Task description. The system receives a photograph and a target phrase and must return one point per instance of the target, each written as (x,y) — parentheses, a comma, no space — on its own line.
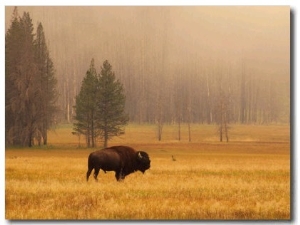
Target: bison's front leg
(119,175)
(88,173)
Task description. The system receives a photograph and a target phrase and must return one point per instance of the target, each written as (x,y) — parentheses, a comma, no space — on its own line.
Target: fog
(257,34)
(151,41)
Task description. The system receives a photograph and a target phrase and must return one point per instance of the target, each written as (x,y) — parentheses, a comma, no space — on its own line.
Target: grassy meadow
(247,178)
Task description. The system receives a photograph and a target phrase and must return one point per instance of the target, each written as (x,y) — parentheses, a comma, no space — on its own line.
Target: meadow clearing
(247,178)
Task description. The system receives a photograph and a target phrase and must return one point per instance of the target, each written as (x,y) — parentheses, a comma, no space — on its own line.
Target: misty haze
(176,57)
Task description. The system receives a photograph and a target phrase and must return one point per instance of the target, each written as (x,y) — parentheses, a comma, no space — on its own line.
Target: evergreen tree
(48,95)
(100,106)
(21,78)
(27,95)
(86,107)
(12,58)
(111,104)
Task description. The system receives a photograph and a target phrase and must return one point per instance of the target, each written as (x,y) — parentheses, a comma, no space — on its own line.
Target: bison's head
(143,161)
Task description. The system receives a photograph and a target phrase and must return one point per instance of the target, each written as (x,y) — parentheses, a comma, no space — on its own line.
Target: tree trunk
(92,134)
(221,132)
(30,140)
(105,140)
(189,120)
(45,136)
(179,128)
(189,127)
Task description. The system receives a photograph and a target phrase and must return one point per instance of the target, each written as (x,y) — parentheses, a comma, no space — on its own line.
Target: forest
(176,64)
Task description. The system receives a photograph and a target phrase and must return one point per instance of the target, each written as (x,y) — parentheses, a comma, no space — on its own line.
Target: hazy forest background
(176,64)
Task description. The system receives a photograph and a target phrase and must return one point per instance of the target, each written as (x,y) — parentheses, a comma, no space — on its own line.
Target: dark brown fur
(123,160)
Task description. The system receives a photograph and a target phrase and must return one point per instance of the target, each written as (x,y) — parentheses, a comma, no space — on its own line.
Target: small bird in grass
(173,158)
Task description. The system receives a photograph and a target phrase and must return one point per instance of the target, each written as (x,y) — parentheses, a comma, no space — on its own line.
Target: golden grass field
(245,179)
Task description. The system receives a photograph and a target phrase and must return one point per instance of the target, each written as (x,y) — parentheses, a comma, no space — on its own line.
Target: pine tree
(12,57)
(20,77)
(111,116)
(48,95)
(86,107)
(30,91)
(100,106)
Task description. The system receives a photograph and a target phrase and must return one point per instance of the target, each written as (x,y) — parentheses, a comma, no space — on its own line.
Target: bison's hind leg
(88,173)
(96,172)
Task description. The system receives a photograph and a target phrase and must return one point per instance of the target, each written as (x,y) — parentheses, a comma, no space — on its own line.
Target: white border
(292,3)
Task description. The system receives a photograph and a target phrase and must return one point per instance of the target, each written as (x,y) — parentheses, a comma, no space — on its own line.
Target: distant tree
(178,105)
(86,107)
(111,116)
(159,118)
(243,110)
(189,119)
(48,95)
(222,115)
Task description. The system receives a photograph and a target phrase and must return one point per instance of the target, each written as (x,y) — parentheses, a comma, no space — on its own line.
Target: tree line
(30,84)
(194,95)
(169,76)
(164,87)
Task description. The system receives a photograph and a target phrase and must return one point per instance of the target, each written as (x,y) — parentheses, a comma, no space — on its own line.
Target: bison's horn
(140,155)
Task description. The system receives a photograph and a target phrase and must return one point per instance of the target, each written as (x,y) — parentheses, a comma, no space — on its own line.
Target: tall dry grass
(240,180)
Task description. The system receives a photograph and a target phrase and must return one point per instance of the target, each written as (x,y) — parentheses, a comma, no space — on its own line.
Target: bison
(123,160)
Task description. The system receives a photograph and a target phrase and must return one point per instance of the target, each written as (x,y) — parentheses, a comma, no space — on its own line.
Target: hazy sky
(258,35)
